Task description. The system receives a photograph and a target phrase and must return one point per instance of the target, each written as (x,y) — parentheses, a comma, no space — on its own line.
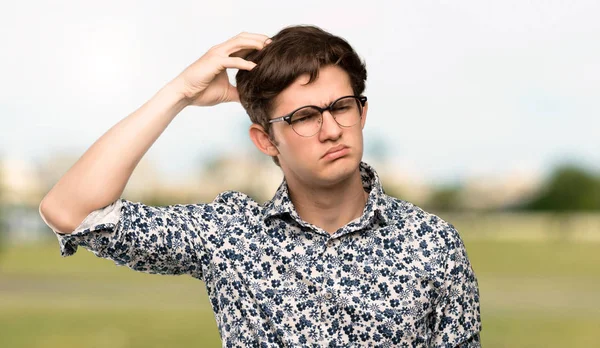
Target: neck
(332,207)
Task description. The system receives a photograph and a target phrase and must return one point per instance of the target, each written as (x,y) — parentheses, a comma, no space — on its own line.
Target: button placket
(326,292)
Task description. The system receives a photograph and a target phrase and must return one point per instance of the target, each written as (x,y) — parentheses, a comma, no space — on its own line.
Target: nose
(330,129)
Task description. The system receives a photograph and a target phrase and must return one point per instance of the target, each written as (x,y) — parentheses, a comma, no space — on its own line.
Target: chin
(339,170)
(322,173)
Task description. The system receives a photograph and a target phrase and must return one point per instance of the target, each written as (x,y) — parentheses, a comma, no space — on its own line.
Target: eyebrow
(324,105)
(321,106)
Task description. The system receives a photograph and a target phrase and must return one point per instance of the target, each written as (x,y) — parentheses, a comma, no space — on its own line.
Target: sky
(455,88)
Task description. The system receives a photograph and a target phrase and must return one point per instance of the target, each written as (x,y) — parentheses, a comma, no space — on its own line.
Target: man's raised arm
(99,177)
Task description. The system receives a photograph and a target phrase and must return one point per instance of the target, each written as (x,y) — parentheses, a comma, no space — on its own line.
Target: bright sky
(456,88)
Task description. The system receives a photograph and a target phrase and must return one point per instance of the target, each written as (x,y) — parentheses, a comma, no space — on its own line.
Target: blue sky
(456,88)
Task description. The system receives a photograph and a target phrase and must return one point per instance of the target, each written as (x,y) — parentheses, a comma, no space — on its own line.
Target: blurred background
(485,113)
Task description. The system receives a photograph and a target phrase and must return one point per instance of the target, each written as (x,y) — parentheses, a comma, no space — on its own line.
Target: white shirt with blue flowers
(395,277)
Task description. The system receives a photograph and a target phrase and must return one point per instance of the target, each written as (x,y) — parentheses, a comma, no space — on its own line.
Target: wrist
(177,89)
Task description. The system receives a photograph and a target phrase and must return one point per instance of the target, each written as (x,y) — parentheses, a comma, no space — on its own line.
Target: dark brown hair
(295,51)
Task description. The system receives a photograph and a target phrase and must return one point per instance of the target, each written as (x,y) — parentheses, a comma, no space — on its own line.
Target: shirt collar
(376,204)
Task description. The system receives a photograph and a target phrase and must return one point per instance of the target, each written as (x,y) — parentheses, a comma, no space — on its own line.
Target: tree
(570,188)
(445,198)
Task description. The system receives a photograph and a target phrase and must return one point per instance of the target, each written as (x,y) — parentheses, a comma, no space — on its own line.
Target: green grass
(526,328)
(551,258)
(107,327)
(533,294)
(537,294)
(84,301)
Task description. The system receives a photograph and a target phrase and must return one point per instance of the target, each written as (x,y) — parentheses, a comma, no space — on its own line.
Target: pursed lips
(335,149)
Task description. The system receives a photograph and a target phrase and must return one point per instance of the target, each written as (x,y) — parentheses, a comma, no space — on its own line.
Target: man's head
(303,65)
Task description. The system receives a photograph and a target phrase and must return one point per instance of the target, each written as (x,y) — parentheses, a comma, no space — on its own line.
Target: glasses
(307,121)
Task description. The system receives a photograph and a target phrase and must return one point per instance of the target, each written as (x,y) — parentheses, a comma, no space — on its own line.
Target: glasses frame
(288,118)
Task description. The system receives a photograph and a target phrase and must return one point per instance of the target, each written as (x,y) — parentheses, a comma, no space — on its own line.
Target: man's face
(306,159)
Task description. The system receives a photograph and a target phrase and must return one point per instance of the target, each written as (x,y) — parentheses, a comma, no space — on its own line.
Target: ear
(363,119)
(261,140)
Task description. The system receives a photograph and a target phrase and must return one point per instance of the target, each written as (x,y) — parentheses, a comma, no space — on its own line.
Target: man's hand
(205,81)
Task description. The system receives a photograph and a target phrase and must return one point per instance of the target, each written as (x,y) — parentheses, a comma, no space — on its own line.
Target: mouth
(336,152)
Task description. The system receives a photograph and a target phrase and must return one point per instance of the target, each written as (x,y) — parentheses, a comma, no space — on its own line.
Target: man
(330,260)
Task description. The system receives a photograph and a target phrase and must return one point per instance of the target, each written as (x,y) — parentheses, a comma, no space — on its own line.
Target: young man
(330,260)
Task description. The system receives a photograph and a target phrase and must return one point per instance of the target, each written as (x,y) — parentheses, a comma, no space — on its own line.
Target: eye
(343,105)
(305,115)
(301,119)
(341,108)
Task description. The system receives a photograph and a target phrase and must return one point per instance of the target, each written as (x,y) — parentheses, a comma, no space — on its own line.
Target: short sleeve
(163,240)
(456,321)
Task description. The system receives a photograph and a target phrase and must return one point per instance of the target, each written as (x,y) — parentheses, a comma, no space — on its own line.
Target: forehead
(333,82)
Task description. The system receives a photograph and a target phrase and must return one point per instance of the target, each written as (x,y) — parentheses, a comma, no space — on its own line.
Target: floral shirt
(395,277)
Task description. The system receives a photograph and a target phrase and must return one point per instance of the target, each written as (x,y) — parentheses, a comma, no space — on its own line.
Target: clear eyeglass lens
(347,111)
(307,121)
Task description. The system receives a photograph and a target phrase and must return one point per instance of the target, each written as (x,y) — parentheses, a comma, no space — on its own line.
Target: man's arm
(99,177)
(456,320)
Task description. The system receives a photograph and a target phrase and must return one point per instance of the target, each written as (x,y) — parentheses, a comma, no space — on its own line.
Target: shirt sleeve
(456,320)
(162,240)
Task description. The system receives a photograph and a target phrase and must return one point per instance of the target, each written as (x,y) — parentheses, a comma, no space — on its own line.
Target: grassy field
(533,294)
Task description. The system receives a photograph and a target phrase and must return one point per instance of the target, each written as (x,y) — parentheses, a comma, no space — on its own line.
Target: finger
(240,43)
(242,53)
(259,37)
(237,63)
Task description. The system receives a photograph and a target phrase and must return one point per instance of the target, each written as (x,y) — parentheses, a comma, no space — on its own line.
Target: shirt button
(328,296)
(329,243)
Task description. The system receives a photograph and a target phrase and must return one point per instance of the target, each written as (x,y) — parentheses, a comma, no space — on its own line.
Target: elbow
(56,219)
